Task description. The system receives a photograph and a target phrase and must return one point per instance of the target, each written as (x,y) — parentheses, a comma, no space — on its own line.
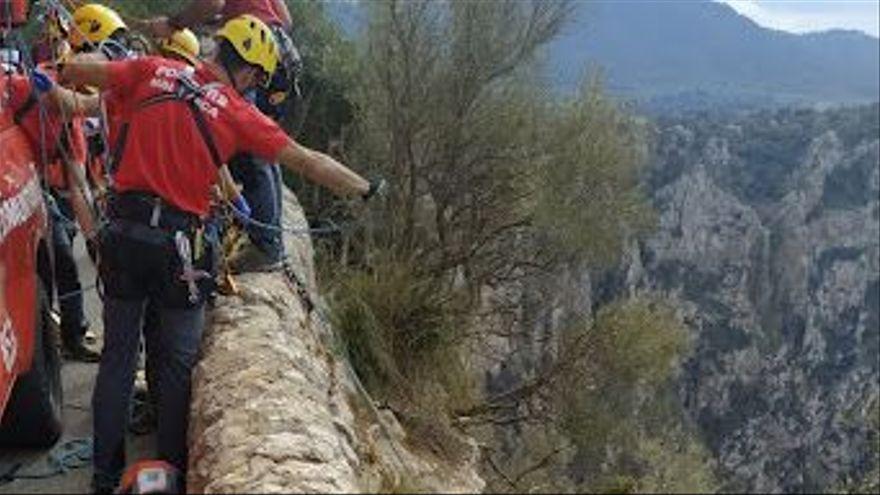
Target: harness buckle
(156,214)
(189,275)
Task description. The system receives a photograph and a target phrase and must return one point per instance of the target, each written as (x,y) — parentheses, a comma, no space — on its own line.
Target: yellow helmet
(183,43)
(253,41)
(94,23)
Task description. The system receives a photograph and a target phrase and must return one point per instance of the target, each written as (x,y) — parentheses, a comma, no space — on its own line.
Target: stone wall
(274,410)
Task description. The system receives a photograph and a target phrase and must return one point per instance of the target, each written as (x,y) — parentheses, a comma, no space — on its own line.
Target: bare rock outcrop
(274,410)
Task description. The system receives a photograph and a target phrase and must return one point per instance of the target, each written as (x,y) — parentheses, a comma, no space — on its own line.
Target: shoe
(79,352)
(248,258)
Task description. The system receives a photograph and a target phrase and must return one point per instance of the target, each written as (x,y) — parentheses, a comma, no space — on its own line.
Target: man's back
(165,151)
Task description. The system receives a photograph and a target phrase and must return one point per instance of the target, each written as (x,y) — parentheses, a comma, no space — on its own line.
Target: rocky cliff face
(769,238)
(769,244)
(276,411)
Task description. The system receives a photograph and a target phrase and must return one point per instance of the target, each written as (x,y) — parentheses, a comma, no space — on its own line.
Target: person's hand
(378,187)
(159,27)
(41,81)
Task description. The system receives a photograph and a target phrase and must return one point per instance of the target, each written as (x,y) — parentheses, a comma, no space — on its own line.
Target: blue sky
(801,16)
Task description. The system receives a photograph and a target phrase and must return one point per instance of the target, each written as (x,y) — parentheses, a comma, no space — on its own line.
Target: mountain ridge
(708,46)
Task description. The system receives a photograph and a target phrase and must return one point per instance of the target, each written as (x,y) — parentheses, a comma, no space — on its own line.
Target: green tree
(619,409)
(448,109)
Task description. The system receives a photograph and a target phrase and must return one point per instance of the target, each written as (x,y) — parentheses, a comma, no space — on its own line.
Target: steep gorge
(769,237)
(768,241)
(768,245)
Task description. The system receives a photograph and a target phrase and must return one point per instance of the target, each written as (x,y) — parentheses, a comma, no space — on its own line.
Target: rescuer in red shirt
(180,125)
(261,185)
(59,146)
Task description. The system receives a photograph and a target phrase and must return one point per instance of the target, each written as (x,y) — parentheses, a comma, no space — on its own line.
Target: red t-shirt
(267,11)
(52,127)
(165,153)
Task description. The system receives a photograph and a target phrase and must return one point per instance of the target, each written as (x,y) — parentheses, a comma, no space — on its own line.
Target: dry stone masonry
(275,411)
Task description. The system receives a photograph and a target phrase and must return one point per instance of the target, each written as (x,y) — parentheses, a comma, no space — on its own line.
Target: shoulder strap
(198,117)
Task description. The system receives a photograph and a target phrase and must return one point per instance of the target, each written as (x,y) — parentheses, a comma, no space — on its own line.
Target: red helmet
(151,477)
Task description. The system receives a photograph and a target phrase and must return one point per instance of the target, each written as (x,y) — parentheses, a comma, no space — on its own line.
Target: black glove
(378,187)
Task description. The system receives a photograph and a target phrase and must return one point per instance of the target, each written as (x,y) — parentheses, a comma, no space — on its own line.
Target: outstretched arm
(323,170)
(71,102)
(86,72)
(68,102)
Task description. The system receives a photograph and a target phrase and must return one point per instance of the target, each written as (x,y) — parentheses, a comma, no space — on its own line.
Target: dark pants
(73,320)
(261,186)
(137,270)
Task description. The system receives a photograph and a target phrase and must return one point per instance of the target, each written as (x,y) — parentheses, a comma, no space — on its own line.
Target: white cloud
(799,16)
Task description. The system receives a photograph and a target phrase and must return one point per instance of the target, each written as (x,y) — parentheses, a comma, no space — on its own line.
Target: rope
(317,306)
(247,220)
(73,454)
(68,295)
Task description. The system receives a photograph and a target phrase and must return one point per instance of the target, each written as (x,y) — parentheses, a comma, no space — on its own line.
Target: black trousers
(140,265)
(73,320)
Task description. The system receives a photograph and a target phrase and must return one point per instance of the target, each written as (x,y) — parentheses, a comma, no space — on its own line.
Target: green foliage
(403,334)
(399,329)
(449,114)
(619,409)
(868,481)
(670,468)
(142,9)
(492,182)
(490,177)
(588,194)
(326,110)
(329,69)
(638,342)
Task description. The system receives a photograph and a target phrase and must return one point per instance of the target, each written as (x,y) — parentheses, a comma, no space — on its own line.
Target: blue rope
(247,220)
(73,454)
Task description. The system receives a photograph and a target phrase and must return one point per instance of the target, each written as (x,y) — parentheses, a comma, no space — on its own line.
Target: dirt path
(78,379)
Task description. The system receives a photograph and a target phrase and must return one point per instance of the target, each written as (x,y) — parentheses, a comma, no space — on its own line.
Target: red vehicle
(30,365)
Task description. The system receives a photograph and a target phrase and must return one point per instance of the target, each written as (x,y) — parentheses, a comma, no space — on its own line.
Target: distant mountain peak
(695,53)
(653,50)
